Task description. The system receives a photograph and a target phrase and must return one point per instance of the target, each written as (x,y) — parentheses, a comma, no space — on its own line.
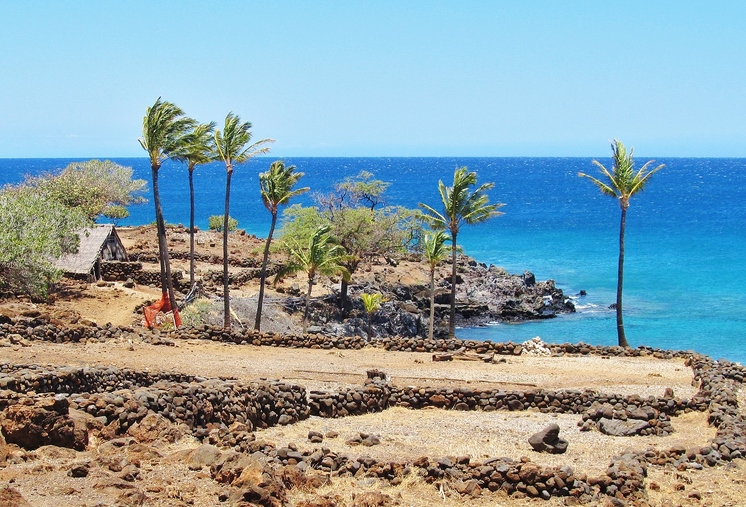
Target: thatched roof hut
(97,244)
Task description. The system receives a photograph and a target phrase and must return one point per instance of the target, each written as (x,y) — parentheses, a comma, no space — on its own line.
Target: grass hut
(97,244)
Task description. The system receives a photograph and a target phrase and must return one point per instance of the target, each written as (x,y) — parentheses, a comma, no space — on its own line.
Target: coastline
(684,234)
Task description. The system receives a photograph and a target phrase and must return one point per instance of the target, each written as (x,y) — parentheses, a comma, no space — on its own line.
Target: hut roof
(92,241)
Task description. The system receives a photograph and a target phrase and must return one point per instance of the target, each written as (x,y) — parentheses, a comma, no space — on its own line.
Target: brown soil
(405,434)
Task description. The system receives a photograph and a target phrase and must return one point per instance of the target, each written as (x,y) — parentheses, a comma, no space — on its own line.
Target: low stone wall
(200,404)
(124,397)
(117,271)
(249,262)
(69,380)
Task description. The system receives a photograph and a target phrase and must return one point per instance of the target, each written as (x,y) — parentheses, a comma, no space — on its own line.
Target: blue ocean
(685,241)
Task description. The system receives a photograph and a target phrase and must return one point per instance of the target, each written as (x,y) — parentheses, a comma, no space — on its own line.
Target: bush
(215,223)
(34,230)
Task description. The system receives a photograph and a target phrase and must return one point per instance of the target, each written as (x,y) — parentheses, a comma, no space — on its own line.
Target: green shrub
(215,223)
(196,313)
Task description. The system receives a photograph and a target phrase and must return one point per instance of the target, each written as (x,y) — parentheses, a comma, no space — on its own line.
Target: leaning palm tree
(232,146)
(321,256)
(277,190)
(434,251)
(164,128)
(622,182)
(460,206)
(198,149)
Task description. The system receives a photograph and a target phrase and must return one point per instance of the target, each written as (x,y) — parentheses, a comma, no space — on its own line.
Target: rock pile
(536,347)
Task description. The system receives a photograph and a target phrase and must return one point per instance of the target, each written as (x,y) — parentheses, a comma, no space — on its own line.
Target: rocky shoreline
(484,293)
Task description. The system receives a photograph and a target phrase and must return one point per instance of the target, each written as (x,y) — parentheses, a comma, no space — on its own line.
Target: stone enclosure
(226,412)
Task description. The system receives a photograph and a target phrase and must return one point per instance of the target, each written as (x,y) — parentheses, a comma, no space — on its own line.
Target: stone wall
(116,271)
(123,397)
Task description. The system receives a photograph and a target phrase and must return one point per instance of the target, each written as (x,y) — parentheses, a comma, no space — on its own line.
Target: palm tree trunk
(308,301)
(343,288)
(260,301)
(191,227)
(452,320)
(370,326)
(226,288)
(620,281)
(432,302)
(166,280)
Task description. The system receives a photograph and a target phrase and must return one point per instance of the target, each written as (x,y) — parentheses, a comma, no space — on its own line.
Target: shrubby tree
(93,187)
(277,188)
(622,182)
(359,220)
(216,223)
(34,231)
(461,205)
(232,146)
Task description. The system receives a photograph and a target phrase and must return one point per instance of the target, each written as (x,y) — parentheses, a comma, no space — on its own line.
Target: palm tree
(322,256)
(372,303)
(434,252)
(622,182)
(460,206)
(198,149)
(277,190)
(164,128)
(232,145)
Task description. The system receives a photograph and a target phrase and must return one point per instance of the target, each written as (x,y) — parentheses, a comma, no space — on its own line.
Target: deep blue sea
(685,244)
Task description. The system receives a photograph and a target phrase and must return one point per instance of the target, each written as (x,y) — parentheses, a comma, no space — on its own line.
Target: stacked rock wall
(124,396)
(113,271)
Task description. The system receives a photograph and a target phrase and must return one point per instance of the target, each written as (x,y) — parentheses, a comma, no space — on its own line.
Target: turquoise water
(685,240)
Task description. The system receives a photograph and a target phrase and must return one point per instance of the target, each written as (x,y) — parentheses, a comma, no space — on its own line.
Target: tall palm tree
(622,182)
(164,128)
(198,149)
(232,145)
(322,256)
(460,206)
(277,190)
(434,251)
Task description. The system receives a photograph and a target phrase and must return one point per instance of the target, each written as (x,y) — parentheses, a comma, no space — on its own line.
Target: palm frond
(622,181)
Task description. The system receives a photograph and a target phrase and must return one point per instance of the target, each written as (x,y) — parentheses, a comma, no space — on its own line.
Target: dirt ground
(408,434)
(405,434)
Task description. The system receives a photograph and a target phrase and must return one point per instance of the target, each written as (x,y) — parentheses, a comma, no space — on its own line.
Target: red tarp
(163,305)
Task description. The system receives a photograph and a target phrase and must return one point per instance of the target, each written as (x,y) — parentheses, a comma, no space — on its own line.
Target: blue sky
(380,78)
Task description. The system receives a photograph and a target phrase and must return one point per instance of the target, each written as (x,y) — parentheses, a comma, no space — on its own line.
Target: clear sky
(380,78)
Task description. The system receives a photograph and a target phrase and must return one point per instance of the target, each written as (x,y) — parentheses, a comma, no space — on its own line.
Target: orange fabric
(162,305)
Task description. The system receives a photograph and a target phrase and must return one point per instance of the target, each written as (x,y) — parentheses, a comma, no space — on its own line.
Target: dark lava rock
(547,440)
(619,428)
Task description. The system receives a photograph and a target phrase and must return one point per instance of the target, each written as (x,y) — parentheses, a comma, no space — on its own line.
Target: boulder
(619,428)
(31,425)
(547,440)
(154,427)
(204,455)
